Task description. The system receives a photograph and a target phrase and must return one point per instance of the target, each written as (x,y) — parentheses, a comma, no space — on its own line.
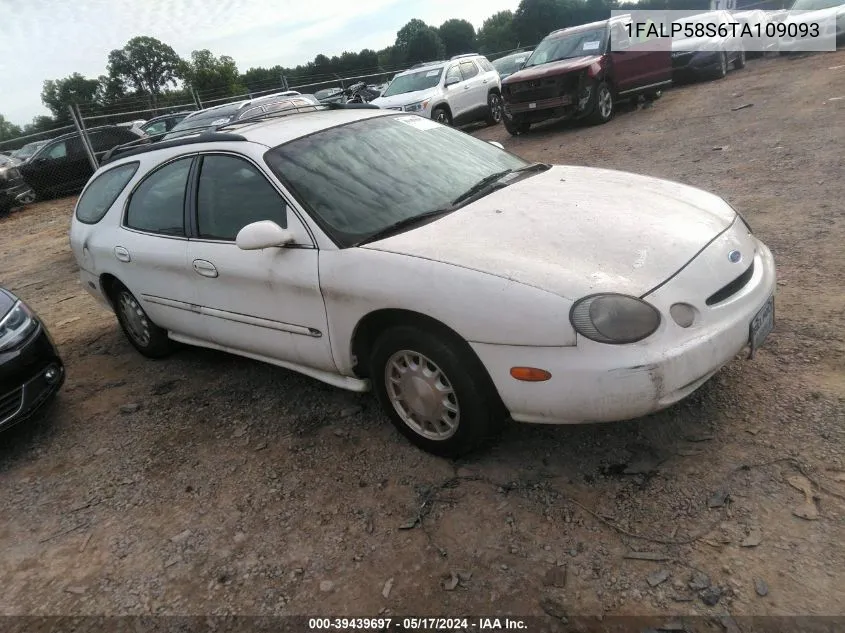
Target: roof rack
(124,151)
(421,64)
(214,134)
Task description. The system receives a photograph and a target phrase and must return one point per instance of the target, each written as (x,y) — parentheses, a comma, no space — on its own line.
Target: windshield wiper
(485,184)
(402,224)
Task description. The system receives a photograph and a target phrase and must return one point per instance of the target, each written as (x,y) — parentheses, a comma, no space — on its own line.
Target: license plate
(531,106)
(761,326)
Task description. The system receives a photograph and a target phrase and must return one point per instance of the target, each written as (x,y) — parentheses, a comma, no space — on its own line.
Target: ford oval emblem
(735,257)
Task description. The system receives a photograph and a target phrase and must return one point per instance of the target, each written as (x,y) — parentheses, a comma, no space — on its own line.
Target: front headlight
(614,318)
(419,106)
(18,324)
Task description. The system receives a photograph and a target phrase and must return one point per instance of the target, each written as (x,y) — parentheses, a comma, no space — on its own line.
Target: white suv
(464,89)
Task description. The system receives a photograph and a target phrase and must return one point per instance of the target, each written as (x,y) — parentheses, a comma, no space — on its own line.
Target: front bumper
(593,382)
(30,376)
(690,65)
(9,194)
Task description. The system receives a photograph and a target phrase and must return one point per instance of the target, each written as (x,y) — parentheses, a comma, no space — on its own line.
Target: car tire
(441,115)
(413,369)
(722,71)
(739,62)
(144,335)
(516,125)
(603,106)
(494,108)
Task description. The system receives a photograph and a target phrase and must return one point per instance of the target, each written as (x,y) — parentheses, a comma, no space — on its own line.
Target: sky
(51,39)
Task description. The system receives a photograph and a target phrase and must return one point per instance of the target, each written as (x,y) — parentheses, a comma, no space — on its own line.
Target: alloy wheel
(605,102)
(422,395)
(496,107)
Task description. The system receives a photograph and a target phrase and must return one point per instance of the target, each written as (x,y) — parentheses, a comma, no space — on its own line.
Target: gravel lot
(233,487)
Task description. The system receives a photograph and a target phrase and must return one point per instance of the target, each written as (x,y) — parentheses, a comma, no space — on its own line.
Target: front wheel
(516,125)
(144,335)
(441,115)
(494,109)
(603,107)
(722,69)
(434,389)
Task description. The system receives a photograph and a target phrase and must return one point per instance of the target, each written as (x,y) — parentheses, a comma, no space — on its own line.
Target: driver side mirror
(263,234)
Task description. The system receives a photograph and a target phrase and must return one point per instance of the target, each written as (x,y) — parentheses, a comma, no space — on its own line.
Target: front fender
(480,307)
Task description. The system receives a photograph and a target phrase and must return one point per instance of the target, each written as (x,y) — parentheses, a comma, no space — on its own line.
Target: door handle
(485,81)
(466,87)
(122,254)
(204,268)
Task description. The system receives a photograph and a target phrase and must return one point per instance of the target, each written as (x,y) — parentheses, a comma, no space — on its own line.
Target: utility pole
(76,117)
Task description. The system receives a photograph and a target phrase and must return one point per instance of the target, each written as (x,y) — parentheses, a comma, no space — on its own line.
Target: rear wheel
(494,109)
(145,336)
(441,115)
(434,389)
(516,124)
(603,106)
(739,62)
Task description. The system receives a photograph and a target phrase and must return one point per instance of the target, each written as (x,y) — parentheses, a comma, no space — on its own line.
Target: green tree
(419,42)
(534,19)
(497,34)
(58,94)
(145,64)
(458,36)
(40,123)
(111,90)
(8,130)
(212,76)
(256,79)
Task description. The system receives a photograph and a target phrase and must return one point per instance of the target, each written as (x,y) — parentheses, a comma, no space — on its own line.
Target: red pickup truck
(575,73)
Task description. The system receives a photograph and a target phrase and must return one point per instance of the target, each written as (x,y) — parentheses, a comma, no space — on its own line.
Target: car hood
(553,68)
(575,231)
(406,98)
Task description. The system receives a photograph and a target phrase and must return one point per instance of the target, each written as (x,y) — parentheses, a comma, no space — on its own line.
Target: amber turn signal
(530,374)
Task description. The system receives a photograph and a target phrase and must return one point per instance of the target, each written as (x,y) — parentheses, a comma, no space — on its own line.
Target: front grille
(10,403)
(541,89)
(681,59)
(732,288)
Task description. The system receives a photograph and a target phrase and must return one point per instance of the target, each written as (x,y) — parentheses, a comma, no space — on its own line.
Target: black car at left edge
(31,371)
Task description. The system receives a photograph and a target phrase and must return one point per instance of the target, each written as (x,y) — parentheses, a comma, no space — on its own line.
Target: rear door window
(469,70)
(101,193)
(158,204)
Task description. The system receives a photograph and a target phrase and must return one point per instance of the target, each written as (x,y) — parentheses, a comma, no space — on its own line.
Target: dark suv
(573,73)
(62,166)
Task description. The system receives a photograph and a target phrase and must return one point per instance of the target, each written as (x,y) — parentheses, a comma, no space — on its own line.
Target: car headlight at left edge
(614,318)
(419,106)
(16,326)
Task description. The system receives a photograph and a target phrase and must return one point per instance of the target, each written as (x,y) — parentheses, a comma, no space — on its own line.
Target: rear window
(101,193)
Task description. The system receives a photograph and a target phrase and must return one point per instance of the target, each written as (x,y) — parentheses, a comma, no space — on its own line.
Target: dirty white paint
(502,272)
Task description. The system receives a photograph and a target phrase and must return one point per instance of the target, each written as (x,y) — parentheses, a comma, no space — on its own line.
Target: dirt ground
(241,488)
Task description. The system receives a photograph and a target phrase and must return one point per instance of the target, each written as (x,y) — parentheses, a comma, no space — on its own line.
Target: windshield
(579,44)
(327,92)
(357,179)
(510,64)
(202,120)
(414,81)
(814,5)
(28,150)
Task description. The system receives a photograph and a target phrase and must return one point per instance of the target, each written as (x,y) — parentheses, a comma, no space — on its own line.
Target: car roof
(89,131)
(276,129)
(586,27)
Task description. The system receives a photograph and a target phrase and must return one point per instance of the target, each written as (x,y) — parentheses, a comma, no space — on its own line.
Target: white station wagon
(373,249)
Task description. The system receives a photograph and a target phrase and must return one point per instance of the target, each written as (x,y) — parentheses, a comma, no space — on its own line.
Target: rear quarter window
(101,193)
